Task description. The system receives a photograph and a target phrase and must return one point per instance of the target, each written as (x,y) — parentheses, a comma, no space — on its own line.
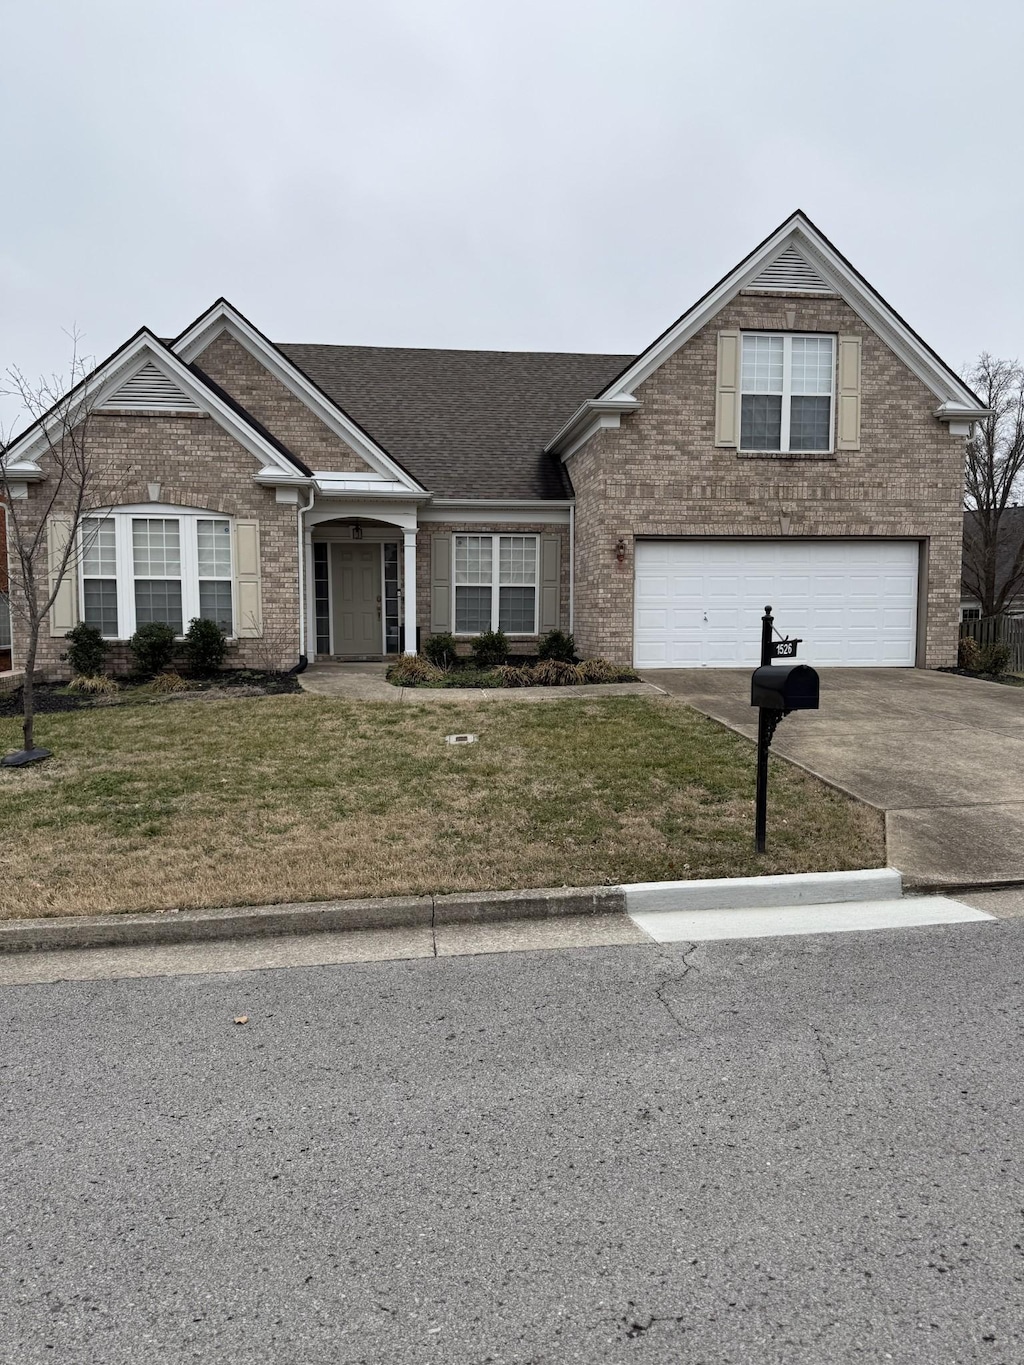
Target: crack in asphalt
(826,1065)
(688,967)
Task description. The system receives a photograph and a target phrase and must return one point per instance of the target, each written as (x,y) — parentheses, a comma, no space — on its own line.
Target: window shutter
(249,622)
(727,409)
(64,610)
(550,582)
(848,405)
(440,583)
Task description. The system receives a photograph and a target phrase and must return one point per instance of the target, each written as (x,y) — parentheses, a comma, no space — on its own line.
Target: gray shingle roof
(467,424)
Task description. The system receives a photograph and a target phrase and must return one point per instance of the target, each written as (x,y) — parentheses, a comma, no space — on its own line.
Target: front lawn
(302,798)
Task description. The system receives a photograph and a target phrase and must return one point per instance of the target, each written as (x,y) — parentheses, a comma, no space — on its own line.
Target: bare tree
(60,408)
(994,547)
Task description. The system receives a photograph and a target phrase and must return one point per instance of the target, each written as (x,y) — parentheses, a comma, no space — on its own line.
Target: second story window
(786,389)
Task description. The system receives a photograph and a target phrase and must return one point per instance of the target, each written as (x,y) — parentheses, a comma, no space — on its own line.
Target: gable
(790,272)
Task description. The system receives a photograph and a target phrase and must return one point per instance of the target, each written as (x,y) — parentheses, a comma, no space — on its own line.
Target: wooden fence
(999,630)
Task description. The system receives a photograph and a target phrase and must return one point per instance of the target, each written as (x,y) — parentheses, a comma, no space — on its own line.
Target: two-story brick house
(788,440)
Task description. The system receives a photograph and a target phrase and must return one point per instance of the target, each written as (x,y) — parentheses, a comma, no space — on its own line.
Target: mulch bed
(1008,679)
(53,698)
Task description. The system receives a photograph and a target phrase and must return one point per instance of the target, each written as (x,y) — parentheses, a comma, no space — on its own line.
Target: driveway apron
(941,755)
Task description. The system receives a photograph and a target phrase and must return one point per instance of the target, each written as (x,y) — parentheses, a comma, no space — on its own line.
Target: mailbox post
(775,691)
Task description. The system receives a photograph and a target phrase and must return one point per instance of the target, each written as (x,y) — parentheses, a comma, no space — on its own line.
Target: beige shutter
(249,625)
(440,583)
(727,396)
(848,401)
(550,582)
(64,611)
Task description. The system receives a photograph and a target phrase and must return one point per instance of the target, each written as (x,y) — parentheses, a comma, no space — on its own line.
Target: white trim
(589,417)
(955,396)
(107,378)
(525,503)
(496,583)
(394,514)
(786,394)
(223,318)
(408,589)
(572,567)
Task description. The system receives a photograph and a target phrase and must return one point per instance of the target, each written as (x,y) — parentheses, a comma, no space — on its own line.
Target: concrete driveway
(941,755)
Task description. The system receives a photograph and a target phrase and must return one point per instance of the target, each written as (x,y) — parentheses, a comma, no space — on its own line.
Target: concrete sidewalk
(941,755)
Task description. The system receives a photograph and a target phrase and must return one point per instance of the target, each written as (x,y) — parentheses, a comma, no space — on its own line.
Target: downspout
(572,565)
(303,658)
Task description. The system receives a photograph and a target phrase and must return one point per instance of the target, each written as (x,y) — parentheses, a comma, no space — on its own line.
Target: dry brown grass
(303,798)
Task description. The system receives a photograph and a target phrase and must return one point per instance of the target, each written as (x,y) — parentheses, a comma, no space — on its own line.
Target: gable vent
(791,271)
(150,390)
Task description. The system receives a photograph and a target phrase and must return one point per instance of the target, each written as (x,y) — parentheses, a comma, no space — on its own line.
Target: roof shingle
(469,424)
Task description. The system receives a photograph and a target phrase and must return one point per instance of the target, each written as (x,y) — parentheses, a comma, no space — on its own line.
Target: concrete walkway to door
(941,755)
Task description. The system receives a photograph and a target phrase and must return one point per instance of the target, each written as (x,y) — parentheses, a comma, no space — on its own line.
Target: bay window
(137,569)
(495,584)
(786,390)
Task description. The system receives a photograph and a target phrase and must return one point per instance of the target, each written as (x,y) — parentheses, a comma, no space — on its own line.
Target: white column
(309,587)
(410,592)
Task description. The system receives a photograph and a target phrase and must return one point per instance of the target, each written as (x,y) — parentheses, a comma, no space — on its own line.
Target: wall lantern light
(357,532)
(620,550)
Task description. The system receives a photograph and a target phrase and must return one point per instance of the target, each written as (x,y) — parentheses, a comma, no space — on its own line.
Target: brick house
(788,440)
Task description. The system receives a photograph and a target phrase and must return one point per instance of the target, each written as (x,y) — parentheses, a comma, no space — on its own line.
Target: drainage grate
(460,739)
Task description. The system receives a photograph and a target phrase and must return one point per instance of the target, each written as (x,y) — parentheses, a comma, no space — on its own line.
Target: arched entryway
(359,588)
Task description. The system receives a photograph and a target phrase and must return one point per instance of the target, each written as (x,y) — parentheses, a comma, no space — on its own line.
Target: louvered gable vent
(150,390)
(791,272)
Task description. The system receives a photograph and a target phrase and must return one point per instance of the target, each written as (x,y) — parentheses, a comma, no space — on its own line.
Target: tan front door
(357,604)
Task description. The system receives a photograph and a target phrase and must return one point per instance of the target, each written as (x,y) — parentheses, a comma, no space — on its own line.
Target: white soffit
(149,389)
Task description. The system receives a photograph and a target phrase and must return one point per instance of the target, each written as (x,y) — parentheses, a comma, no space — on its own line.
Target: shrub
(490,649)
(413,671)
(510,675)
(169,681)
(206,647)
(86,652)
(153,647)
(554,673)
(968,653)
(440,649)
(472,677)
(97,683)
(994,659)
(557,645)
(601,671)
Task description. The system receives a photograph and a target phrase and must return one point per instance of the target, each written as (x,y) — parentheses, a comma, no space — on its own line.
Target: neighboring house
(789,440)
(1011,533)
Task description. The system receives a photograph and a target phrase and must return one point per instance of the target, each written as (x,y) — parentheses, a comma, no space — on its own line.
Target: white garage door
(699,603)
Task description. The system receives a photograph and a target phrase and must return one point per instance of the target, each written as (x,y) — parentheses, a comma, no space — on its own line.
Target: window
(506,600)
(99,575)
(970,613)
(168,568)
(786,387)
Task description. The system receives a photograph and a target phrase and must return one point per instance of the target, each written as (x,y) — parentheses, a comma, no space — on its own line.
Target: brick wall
(5,654)
(661,474)
(523,643)
(232,367)
(197,464)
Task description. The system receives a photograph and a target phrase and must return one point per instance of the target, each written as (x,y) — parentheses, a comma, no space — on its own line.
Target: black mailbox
(784,687)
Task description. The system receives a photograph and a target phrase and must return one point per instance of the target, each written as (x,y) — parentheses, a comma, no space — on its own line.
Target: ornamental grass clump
(414,671)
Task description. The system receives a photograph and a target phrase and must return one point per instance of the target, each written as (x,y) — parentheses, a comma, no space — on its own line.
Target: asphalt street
(783,1150)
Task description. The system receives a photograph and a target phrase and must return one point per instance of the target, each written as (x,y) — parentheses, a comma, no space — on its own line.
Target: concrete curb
(317,917)
(765,893)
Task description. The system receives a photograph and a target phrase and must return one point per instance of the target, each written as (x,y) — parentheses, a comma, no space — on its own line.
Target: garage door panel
(852,602)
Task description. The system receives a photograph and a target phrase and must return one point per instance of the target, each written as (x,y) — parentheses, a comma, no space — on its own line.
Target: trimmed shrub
(153,648)
(169,682)
(86,651)
(440,649)
(994,659)
(413,671)
(968,653)
(206,647)
(490,649)
(96,683)
(557,645)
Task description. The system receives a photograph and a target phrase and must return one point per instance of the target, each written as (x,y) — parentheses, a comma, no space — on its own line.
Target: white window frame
(496,584)
(787,339)
(187,517)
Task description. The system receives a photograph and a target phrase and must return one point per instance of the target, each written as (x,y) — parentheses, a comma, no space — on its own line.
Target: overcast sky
(562,175)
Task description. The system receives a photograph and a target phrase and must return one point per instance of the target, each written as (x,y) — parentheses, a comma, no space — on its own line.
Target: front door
(357,600)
